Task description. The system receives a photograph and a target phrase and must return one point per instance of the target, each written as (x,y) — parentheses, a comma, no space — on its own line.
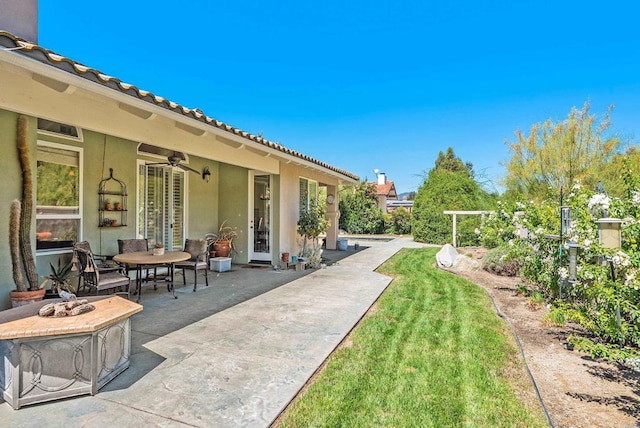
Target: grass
(431,353)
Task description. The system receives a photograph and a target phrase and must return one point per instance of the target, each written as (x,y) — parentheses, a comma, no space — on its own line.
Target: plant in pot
(158,249)
(223,240)
(20,215)
(311,225)
(59,277)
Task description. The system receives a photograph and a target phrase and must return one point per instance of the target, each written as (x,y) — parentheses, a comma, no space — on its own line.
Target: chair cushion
(132,245)
(196,247)
(113,279)
(192,265)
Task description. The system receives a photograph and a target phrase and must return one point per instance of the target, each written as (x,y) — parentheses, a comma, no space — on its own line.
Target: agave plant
(60,276)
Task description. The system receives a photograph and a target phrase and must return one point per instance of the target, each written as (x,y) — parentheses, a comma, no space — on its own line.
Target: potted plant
(59,277)
(223,240)
(311,225)
(158,249)
(20,215)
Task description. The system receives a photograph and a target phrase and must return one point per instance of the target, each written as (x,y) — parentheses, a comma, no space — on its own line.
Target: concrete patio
(231,354)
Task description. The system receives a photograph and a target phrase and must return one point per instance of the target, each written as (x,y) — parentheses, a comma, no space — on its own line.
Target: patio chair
(199,250)
(100,261)
(96,279)
(134,245)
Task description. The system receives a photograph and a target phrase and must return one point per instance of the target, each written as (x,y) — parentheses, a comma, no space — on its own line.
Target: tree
(555,155)
(359,212)
(450,185)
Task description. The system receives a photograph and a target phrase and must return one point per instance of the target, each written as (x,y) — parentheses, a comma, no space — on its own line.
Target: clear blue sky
(369,84)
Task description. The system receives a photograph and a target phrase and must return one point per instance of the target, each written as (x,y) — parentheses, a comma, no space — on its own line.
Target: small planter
(158,251)
(285,257)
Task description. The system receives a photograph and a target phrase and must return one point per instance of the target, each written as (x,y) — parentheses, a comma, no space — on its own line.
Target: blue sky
(369,84)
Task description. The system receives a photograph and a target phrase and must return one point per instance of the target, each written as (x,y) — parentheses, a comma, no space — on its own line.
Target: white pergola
(455,218)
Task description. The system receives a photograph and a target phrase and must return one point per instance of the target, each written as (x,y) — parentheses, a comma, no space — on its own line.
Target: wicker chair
(94,278)
(99,261)
(199,250)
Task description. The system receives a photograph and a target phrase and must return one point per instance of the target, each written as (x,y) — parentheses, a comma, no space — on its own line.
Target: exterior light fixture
(206,174)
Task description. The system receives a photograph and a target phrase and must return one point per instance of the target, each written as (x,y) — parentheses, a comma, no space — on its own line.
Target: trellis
(455,218)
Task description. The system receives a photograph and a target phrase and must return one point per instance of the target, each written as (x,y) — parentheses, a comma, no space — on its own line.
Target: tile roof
(38,53)
(384,189)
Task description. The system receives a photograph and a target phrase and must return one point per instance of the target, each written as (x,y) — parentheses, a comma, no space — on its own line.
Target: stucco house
(385,191)
(185,172)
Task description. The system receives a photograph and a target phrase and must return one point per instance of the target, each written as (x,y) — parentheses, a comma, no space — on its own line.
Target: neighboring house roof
(387,189)
(60,62)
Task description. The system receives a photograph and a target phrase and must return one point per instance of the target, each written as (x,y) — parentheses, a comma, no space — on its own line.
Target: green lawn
(431,353)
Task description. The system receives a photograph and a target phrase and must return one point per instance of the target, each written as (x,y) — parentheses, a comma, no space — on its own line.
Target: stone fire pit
(47,358)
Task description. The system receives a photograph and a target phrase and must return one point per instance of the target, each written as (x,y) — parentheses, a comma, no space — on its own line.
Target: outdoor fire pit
(47,358)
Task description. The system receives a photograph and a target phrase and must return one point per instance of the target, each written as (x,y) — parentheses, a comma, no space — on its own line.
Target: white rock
(447,255)
(464,263)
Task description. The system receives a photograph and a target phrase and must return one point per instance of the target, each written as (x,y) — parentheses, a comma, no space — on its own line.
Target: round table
(147,258)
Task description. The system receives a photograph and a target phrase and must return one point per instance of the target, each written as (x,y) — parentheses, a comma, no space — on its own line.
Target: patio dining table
(147,258)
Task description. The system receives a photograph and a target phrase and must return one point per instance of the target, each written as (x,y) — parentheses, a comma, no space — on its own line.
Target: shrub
(501,261)
(398,222)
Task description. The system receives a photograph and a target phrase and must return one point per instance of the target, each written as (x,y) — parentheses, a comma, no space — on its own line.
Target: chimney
(382,178)
(20,18)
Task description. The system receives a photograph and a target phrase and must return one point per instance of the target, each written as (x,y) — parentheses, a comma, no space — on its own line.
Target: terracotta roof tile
(46,56)
(384,189)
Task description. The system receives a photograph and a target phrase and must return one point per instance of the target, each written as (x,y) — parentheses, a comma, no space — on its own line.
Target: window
(308,193)
(59,129)
(161,210)
(58,196)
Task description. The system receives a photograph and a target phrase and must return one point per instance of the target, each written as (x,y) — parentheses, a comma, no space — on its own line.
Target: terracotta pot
(21,298)
(222,248)
(285,257)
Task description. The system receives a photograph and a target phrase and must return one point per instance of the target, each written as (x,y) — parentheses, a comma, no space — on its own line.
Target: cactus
(14,244)
(26,251)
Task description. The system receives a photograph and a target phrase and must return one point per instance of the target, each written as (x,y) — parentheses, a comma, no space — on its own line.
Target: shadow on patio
(163,315)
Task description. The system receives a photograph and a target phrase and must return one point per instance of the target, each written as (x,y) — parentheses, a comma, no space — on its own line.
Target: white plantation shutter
(178,211)
(161,211)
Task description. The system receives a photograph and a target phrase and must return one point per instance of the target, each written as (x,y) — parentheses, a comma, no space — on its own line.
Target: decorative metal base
(38,369)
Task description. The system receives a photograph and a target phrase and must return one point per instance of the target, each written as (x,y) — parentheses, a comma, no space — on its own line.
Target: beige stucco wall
(290,203)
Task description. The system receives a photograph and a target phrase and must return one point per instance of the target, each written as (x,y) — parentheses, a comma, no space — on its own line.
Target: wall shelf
(112,202)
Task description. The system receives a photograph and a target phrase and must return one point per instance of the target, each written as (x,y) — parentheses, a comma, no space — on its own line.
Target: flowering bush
(604,296)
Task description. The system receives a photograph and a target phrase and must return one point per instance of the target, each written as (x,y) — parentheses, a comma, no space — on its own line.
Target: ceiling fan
(175,160)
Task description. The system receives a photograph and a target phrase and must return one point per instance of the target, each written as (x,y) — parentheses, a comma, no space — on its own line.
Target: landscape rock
(447,255)
(465,264)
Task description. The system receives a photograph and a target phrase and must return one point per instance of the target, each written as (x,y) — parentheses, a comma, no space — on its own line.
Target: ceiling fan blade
(188,168)
(158,163)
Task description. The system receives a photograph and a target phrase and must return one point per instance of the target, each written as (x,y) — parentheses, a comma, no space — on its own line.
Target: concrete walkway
(206,360)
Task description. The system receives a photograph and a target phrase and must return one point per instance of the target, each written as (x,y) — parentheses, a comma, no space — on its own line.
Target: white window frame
(79,138)
(309,196)
(140,228)
(79,216)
